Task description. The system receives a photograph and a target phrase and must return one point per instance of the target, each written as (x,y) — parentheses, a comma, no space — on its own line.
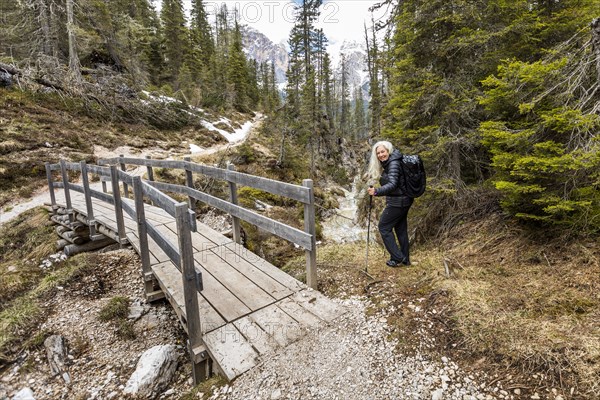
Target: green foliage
(542,150)
(117,308)
(501,91)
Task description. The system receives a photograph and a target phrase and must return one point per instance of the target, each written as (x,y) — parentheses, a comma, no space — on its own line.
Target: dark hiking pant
(393,220)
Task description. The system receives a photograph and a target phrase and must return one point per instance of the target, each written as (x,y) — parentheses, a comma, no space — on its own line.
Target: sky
(340,19)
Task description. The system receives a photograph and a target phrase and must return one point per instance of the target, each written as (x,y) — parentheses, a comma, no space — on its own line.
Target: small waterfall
(342,226)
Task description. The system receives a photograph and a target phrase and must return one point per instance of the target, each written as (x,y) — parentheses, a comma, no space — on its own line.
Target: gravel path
(355,359)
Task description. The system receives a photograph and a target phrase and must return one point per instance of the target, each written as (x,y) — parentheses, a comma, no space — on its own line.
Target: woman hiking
(385,166)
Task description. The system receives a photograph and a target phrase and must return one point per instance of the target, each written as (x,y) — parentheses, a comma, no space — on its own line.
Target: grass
(116,312)
(510,303)
(26,310)
(24,242)
(117,308)
(205,389)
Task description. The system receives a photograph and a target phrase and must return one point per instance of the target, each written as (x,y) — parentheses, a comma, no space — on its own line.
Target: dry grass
(24,242)
(514,306)
(533,302)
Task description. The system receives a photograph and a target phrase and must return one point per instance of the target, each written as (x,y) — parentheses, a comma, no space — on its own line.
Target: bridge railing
(302,193)
(181,254)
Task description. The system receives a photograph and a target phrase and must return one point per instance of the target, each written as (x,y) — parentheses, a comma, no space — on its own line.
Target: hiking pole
(366,271)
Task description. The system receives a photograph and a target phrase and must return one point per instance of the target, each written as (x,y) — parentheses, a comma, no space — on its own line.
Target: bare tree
(74,66)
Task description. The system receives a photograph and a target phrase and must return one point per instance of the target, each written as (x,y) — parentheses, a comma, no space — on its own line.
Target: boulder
(153,373)
(5,79)
(24,394)
(56,350)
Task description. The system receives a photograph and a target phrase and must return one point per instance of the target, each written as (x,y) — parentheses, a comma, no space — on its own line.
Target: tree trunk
(595,25)
(74,66)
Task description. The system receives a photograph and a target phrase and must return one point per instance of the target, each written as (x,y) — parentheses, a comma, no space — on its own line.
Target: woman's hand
(371,191)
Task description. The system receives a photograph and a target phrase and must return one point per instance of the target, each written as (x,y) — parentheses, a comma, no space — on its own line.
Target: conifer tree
(201,35)
(359,120)
(237,72)
(176,37)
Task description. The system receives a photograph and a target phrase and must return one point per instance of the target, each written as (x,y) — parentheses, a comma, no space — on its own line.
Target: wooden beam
(309,228)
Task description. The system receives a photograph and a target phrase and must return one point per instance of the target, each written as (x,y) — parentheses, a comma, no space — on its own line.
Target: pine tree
(344,115)
(176,37)
(360,123)
(200,32)
(238,82)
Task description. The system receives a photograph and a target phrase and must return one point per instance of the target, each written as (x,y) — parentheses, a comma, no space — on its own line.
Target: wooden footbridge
(236,307)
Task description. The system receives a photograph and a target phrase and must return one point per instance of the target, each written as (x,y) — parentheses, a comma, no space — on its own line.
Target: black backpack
(414,175)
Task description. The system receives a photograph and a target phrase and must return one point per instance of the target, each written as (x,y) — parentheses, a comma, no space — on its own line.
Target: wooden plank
(158,197)
(255,274)
(231,351)
(299,313)
(318,304)
(284,189)
(168,247)
(309,227)
(260,340)
(278,325)
(225,302)
(253,296)
(204,238)
(169,279)
(135,242)
(268,268)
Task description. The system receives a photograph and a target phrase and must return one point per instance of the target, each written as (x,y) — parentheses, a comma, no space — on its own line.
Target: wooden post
(124,168)
(150,173)
(189,181)
(149,170)
(114,178)
(138,195)
(65,178)
(309,227)
(192,284)
(51,186)
(235,221)
(88,199)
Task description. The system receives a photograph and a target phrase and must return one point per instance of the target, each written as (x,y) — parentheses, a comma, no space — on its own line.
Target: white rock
(24,394)
(154,371)
(437,395)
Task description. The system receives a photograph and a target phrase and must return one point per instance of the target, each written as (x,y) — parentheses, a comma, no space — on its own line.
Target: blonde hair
(375,168)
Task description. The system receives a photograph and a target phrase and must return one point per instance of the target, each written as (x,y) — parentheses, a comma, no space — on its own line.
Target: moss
(116,309)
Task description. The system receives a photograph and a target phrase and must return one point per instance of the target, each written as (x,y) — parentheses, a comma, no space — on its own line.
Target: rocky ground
(100,361)
(355,358)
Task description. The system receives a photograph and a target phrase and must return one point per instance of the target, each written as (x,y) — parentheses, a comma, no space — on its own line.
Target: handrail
(160,199)
(284,231)
(289,190)
(303,193)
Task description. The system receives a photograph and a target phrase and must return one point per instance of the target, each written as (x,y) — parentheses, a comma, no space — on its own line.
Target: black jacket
(392,178)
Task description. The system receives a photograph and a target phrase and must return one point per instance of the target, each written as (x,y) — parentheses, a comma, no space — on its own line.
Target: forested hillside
(500,98)
(501,94)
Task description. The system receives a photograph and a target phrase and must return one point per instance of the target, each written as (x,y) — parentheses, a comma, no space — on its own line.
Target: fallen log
(102,229)
(71,236)
(60,244)
(73,249)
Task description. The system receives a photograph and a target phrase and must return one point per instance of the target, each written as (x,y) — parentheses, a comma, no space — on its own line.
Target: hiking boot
(393,263)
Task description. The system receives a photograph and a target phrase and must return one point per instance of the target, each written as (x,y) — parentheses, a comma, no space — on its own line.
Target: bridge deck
(248,308)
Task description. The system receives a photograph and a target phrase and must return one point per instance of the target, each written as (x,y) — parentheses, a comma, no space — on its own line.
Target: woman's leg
(390,217)
(401,229)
